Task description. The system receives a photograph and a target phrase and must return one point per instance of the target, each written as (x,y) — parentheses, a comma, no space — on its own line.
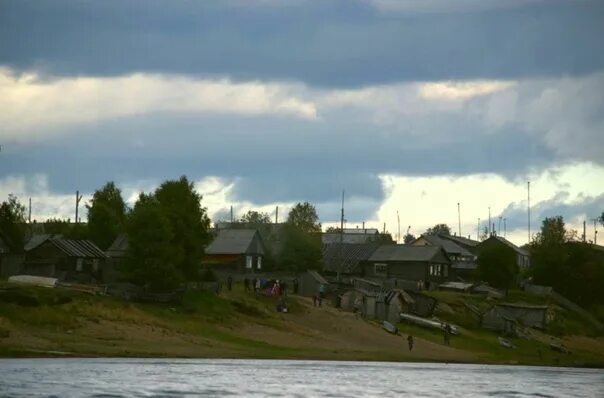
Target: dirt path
(335,331)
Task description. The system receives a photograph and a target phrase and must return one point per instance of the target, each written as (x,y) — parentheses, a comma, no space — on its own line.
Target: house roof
(232,241)
(316,276)
(119,246)
(510,244)
(37,240)
(78,248)
(350,237)
(405,253)
(461,240)
(346,257)
(449,246)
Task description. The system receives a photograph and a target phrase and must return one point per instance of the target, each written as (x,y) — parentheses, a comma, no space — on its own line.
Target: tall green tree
(303,216)
(302,239)
(549,256)
(12,222)
(189,223)
(106,215)
(408,238)
(255,218)
(152,258)
(497,265)
(439,229)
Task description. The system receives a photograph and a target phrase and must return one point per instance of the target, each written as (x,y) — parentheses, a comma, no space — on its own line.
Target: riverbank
(39,322)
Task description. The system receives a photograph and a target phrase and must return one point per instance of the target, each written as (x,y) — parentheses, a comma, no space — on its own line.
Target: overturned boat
(429,323)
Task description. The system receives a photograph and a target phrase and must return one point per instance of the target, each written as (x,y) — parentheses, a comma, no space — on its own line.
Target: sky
(410,106)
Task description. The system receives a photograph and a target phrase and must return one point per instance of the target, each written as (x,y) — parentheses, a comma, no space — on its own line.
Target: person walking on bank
(447,334)
(410,342)
(314,300)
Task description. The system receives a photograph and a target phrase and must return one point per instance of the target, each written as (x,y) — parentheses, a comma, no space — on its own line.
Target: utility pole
(528,190)
(29,215)
(231,214)
(341,238)
(459,219)
(584,232)
(478,231)
(489,220)
(277,215)
(595,220)
(504,228)
(398,239)
(499,225)
(78,198)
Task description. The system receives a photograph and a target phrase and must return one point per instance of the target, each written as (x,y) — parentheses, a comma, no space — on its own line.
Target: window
(249,260)
(380,269)
(431,269)
(259,262)
(79,265)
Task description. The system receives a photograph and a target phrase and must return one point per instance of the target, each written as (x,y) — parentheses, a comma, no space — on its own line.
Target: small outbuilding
(506,316)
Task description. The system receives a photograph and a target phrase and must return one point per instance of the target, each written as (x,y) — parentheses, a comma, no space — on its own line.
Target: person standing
(447,333)
(314,300)
(230,283)
(410,342)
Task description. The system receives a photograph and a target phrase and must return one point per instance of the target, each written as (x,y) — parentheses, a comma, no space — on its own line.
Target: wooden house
(235,251)
(65,259)
(427,265)
(463,262)
(522,255)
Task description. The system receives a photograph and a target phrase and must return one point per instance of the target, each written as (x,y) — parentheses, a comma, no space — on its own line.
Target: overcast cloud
(271,103)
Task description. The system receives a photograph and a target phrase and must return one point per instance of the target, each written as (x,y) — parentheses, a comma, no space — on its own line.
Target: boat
(390,328)
(505,343)
(430,323)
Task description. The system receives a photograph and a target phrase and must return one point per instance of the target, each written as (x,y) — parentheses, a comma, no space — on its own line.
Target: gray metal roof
(119,247)
(346,237)
(346,257)
(405,253)
(78,248)
(461,240)
(510,244)
(232,241)
(37,240)
(449,246)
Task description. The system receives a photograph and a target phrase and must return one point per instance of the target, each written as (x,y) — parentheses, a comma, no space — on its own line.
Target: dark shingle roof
(37,240)
(231,241)
(405,253)
(346,257)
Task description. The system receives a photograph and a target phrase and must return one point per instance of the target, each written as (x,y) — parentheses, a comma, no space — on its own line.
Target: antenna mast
(458,219)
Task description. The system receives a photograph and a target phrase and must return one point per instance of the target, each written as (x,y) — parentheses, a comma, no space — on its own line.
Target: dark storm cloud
(272,159)
(328,43)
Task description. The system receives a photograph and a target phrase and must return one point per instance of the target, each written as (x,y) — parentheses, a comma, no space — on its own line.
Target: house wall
(11,264)
(408,271)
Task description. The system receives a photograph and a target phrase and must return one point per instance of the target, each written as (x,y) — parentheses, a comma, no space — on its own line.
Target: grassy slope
(39,321)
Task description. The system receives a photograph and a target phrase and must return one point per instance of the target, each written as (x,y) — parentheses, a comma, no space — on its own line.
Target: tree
(66,228)
(548,252)
(12,222)
(151,260)
(302,239)
(439,229)
(189,223)
(106,215)
(408,238)
(304,217)
(497,265)
(255,218)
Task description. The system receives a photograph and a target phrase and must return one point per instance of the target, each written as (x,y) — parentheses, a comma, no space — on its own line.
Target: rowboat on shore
(429,323)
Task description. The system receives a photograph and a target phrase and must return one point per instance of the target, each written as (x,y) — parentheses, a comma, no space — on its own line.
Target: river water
(276,378)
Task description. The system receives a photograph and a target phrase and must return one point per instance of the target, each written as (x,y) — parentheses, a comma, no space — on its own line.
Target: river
(284,378)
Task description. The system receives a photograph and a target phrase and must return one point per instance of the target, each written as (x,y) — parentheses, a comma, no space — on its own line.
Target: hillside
(53,322)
